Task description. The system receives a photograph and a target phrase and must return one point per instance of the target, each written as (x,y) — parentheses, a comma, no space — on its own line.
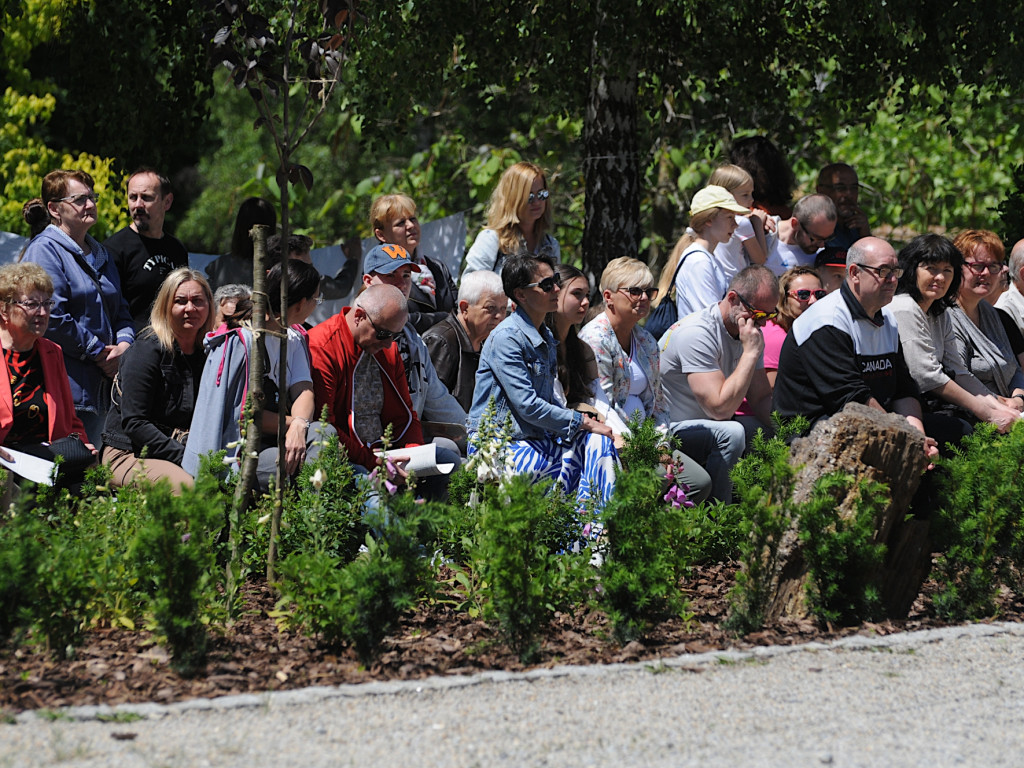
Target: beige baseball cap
(713,196)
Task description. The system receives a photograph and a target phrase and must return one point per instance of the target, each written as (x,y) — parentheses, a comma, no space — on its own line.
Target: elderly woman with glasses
(36,405)
(90,319)
(628,362)
(518,369)
(984,345)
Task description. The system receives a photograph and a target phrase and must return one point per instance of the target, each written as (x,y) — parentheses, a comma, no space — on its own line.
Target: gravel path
(949,697)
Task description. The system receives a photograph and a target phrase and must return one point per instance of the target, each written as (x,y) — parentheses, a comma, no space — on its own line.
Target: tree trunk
(611,166)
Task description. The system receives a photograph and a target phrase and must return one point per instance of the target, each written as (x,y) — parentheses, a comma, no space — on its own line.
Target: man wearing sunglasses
(711,361)
(358,374)
(846,347)
(803,234)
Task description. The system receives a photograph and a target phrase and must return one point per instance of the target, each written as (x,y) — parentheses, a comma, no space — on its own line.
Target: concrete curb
(902,641)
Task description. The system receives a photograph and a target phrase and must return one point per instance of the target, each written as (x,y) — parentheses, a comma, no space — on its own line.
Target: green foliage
(322,511)
(1011,210)
(360,602)
(647,555)
(762,486)
(978,527)
(22,551)
(714,531)
(175,551)
(644,446)
(513,552)
(841,553)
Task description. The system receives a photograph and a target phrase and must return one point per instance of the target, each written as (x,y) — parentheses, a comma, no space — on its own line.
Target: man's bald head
(1017,263)
(378,316)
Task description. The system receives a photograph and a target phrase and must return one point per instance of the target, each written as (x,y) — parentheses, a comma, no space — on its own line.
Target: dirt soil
(115,666)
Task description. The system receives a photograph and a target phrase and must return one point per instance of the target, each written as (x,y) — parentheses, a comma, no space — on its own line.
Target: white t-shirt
(730,255)
(298,359)
(699,281)
(782,256)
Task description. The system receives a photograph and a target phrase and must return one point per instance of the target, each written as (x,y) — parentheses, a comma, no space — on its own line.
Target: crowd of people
(771,306)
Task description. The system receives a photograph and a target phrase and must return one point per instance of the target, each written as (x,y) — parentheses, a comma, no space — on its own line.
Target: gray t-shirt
(698,343)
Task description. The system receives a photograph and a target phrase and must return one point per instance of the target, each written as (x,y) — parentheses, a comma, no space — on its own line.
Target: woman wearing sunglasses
(518,221)
(924,305)
(628,360)
(90,319)
(799,287)
(518,369)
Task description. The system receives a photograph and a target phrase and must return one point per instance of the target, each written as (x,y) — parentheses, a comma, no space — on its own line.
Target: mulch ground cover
(115,666)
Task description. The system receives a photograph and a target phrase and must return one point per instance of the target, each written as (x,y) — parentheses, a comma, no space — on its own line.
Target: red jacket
(335,353)
(59,405)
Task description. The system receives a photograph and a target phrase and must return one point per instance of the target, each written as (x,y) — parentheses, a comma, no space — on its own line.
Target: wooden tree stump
(864,443)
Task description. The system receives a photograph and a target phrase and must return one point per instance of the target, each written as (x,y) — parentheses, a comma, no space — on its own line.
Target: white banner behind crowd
(443,239)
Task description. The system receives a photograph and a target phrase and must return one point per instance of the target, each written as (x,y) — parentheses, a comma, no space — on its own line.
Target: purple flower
(185,537)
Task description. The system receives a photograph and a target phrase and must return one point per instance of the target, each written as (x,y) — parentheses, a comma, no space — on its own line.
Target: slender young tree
(288,56)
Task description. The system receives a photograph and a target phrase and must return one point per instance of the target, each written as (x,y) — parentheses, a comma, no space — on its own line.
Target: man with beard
(143,252)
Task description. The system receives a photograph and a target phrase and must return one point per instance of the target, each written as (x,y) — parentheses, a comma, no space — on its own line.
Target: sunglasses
(804,294)
(535,196)
(758,314)
(79,201)
(548,283)
(636,292)
(383,334)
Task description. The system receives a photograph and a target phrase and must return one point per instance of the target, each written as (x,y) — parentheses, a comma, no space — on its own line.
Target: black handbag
(75,457)
(665,314)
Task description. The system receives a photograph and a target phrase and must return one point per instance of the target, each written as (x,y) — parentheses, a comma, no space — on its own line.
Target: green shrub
(978,527)
(360,602)
(842,554)
(762,488)
(645,445)
(22,552)
(714,532)
(514,555)
(175,551)
(647,555)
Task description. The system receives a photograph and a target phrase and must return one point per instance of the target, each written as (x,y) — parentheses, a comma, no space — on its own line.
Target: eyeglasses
(548,283)
(79,201)
(980,267)
(758,314)
(804,294)
(31,307)
(383,334)
(319,299)
(884,272)
(535,196)
(636,292)
(811,236)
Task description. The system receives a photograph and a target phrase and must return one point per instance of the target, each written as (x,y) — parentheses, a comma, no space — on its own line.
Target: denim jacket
(89,311)
(518,366)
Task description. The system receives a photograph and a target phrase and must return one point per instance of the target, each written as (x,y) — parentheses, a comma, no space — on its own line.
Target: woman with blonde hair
(712,221)
(629,362)
(518,221)
(749,243)
(157,384)
(433,294)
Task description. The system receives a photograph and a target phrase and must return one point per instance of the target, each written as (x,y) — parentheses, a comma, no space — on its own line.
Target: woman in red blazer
(36,407)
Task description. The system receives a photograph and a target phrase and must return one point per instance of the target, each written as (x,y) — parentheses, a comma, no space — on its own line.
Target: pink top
(774,335)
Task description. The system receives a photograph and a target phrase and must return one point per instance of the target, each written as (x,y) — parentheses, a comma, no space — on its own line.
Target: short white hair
(478,284)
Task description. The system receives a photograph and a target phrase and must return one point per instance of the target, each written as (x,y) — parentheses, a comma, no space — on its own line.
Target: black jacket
(155,394)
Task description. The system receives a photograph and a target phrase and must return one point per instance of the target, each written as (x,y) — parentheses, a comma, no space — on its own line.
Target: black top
(155,394)
(143,263)
(426,311)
